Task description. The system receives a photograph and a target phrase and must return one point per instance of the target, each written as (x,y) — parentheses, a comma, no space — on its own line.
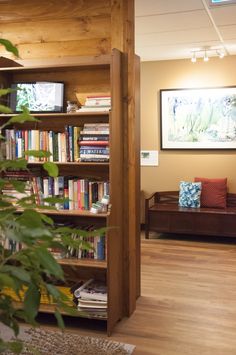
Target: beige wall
(181,165)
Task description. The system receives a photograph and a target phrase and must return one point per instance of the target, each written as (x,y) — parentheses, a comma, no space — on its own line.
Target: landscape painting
(198,118)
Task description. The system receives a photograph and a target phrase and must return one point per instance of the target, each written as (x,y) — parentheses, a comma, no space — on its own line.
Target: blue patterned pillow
(189,194)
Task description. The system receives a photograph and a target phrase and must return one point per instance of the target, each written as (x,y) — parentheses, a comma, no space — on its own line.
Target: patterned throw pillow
(189,194)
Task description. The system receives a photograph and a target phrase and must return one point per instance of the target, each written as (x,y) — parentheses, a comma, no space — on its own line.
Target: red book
(93,143)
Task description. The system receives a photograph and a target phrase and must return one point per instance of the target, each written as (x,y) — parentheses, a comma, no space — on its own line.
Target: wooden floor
(188,302)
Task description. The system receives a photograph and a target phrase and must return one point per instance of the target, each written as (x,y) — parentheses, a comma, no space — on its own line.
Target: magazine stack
(96,103)
(91,299)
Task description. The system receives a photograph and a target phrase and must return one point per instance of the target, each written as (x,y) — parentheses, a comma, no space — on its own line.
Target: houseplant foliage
(31,269)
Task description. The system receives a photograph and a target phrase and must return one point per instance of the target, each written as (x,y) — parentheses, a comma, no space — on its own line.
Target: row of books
(96,103)
(91,247)
(94,142)
(88,143)
(63,146)
(82,193)
(79,193)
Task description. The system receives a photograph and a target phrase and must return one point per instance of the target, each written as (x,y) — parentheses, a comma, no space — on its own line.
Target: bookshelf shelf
(89,75)
(75,213)
(100,264)
(50,308)
(71,213)
(73,164)
(61,114)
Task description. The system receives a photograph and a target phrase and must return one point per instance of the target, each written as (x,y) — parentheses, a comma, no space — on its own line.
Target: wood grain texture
(80,28)
(28,10)
(188,302)
(50,29)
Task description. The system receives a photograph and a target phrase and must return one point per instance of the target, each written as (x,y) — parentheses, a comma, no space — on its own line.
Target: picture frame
(201,118)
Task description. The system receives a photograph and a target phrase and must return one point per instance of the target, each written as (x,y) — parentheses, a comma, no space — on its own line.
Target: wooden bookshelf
(88,75)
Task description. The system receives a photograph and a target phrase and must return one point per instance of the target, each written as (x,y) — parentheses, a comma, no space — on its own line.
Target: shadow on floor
(193,238)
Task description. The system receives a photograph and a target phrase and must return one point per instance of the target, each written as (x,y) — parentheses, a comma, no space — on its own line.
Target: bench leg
(146,231)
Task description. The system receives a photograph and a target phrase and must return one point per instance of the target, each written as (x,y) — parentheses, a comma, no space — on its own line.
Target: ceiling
(173,29)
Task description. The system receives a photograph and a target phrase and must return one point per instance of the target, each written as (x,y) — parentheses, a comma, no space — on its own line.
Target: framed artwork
(198,118)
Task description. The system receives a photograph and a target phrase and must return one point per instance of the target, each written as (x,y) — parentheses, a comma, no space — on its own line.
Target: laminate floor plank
(188,302)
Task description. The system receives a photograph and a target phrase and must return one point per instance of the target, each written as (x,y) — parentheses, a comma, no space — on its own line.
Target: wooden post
(122,37)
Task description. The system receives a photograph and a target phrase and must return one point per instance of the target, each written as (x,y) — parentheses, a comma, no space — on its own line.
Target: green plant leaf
(6,213)
(6,280)
(31,302)
(5,204)
(9,46)
(48,262)
(59,319)
(17,272)
(38,153)
(54,200)
(5,109)
(18,185)
(31,219)
(47,219)
(4,92)
(15,346)
(13,164)
(51,168)
(53,290)
(23,117)
(69,309)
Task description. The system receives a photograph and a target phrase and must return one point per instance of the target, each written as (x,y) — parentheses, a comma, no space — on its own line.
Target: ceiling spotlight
(221,55)
(205,58)
(194,59)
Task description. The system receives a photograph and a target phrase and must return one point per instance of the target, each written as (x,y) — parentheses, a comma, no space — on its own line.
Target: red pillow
(213,193)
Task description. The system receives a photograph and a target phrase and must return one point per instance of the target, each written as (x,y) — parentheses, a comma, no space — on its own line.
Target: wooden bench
(163,215)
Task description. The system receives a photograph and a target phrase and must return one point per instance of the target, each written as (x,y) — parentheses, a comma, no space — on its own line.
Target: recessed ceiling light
(222,2)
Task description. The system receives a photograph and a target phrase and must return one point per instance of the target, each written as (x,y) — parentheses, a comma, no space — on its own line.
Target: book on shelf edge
(94,143)
(92,290)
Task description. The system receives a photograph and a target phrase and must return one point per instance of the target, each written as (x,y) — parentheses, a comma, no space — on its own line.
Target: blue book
(101,248)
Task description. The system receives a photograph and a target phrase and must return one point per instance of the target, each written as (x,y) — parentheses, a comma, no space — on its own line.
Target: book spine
(75,194)
(61,190)
(45,190)
(102,151)
(66,194)
(50,143)
(71,144)
(71,194)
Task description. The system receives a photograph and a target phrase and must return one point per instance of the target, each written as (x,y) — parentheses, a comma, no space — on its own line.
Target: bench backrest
(172,197)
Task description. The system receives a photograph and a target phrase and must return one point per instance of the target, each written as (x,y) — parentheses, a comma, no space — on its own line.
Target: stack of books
(96,103)
(9,188)
(92,299)
(94,142)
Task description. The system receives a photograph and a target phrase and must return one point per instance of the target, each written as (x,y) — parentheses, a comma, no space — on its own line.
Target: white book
(45,190)
(75,194)
(59,147)
(71,194)
(50,144)
(56,190)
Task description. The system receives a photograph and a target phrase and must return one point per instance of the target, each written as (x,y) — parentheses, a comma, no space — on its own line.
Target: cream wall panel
(181,165)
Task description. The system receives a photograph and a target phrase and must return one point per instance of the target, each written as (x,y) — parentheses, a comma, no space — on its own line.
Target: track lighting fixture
(205,53)
(205,58)
(194,59)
